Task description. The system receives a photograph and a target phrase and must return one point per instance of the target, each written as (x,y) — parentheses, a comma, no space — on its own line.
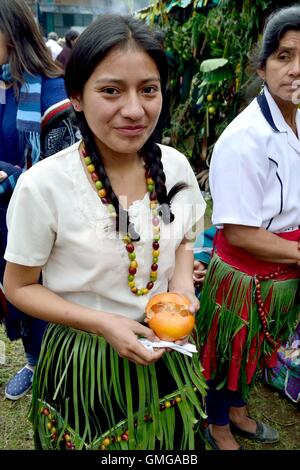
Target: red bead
(130,247)
(83,151)
(155,245)
(95,176)
(147,173)
(155,221)
(132,271)
(104,200)
(154,267)
(150,285)
(124,437)
(153,196)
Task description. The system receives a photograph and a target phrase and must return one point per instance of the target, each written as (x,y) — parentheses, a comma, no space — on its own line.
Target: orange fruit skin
(170,325)
(167,297)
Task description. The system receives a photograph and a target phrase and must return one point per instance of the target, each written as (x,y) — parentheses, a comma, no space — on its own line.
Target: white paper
(187,348)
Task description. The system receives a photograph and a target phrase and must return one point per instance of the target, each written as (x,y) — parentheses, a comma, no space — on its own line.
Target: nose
(295,67)
(132,107)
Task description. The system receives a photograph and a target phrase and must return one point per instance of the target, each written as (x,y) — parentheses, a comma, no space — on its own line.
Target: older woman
(249,302)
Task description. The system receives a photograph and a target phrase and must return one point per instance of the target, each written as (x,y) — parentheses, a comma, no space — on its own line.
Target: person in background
(70,39)
(53,45)
(34,123)
(249,301)
(109,224)
(203,248)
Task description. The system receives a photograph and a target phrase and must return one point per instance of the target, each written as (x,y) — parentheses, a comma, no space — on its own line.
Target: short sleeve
(194,208)
(188,204)
(237,176)
(31,225)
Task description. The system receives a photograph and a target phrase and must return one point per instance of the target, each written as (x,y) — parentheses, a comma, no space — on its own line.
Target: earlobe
(76,104)
(261,74)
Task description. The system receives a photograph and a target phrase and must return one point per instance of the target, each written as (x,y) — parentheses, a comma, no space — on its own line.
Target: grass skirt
(229,331)
(86,397)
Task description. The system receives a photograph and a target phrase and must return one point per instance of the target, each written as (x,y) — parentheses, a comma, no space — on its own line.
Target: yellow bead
(133,264)
(156,229)
(167,404)
(91,168)
(102,193)
(126,239)
(145,291)
(131,284)
(155,253)
(149,181)
(153,275)
(153,206)
(154,212)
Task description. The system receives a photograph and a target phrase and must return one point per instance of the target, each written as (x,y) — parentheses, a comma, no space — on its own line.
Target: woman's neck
(289,112)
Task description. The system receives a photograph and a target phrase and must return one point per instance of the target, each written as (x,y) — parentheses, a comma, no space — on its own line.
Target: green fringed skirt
(86,397)
(230,337)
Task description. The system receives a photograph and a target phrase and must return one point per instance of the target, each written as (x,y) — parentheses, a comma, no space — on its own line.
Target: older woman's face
(3,49)
(282,70)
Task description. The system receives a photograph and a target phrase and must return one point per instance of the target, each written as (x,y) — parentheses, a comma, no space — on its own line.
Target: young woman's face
(282,69)
(3,49)
(122,101)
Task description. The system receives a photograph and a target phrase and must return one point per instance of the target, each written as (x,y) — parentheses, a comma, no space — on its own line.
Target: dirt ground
(265,404)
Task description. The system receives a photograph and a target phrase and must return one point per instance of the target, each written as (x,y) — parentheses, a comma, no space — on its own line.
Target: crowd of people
(97,216)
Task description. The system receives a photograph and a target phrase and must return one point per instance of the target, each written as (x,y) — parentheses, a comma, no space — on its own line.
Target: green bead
(99,184)
(139,292)
(130,278)
(150,188)
(87,160)
(156,237)
(111,209)
(131,256)
(154,212)
(155,259)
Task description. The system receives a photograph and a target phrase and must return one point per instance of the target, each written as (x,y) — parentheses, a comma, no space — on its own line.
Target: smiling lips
(131,130)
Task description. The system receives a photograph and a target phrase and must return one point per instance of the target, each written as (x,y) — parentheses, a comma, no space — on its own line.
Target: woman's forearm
(262,244)
(182,279)
(38,301)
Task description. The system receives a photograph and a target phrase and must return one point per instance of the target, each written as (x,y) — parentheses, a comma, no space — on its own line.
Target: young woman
(249,302)
(34,123)
(110,223)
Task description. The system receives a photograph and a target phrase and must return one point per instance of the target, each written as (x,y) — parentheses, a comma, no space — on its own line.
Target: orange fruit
(168,316)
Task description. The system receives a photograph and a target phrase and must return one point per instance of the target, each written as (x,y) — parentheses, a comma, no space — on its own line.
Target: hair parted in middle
(106,33)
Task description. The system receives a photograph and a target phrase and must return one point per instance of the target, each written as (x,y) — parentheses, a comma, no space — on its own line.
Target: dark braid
(152,156)
(123,223)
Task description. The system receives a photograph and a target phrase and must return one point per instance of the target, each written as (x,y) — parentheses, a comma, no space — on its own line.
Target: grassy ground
(264,404)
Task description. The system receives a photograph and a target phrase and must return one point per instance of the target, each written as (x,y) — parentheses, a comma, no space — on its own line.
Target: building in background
(62,15)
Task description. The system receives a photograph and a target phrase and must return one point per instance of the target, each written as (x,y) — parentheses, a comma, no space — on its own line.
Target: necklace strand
(127,239)
(261,306)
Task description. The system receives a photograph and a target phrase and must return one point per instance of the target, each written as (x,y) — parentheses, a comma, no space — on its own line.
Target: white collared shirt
(254,172)
(56,220)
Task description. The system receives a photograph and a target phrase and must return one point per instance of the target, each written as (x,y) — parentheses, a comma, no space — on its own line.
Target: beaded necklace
(261,306)
(127,238)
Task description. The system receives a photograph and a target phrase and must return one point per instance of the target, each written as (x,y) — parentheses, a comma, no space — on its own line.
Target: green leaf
(212,64)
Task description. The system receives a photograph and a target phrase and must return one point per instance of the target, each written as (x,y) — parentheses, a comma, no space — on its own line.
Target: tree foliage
(208,43)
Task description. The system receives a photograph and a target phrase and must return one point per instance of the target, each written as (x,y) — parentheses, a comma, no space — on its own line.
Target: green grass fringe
(283,317)
(85,364)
